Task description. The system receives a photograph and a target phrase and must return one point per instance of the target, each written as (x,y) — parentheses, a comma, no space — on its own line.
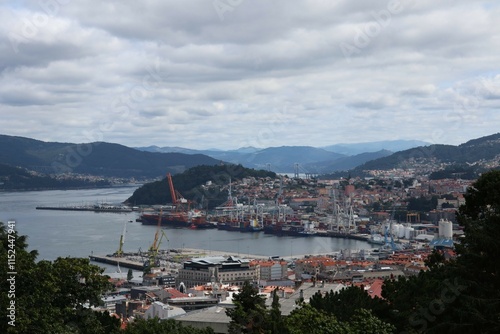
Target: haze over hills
(311,159)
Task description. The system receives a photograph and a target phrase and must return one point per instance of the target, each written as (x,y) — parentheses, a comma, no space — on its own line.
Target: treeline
(189,185)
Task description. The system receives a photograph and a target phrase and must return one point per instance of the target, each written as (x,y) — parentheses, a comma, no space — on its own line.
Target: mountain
(281,159)
(387,145)
(98,158)
(344,163)
(310,159)
(16,178)
(481,154)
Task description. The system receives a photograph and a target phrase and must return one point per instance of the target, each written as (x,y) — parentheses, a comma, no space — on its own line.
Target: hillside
(480,154)
(191,185)
(344,163)
(15,178)
(98,158)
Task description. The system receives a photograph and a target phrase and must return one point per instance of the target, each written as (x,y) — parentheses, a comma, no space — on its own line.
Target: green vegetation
(15,178)
(156,326)
(190,182)
(49,297)
(250,315)
(97,158)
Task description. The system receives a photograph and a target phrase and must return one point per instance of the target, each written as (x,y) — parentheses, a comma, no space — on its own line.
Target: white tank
(445,229)
(409,233)
(401,231)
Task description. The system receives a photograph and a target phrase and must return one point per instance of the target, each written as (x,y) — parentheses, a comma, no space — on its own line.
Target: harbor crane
(155,246)
(177,198)
(119,252)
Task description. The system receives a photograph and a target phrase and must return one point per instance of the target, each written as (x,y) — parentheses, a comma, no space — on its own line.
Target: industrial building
(231,270)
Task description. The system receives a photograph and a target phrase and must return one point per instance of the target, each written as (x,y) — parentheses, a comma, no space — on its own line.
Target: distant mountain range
(310,159)
(114,160)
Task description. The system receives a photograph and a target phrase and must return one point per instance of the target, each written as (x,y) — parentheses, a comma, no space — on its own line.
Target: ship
(179,215)
(190,218)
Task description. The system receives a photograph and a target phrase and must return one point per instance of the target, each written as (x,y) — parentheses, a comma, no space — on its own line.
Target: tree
(249,314)
(343,304)
(130,275)
(156,326)
(49,296)
(308,319)
(460,295)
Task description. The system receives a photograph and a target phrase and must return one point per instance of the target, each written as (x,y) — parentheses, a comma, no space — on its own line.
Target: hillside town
(403,215)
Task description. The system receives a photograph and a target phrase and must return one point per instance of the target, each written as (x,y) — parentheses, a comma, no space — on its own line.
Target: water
(79,233)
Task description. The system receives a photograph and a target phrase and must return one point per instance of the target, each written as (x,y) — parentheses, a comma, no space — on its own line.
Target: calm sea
(78,234)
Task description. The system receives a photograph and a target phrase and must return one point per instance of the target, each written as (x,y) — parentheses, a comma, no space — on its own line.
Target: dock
(94,208)
(115,260)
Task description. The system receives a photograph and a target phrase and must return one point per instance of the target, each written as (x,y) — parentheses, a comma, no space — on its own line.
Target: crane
(119,252)
(155,246)
(177,198)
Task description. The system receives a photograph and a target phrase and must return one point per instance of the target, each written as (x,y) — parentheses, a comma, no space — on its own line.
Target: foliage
(422,204)
(344,303)
(190,184)
(98,158)
(156,326)
(460,295)
(49,296)
(249,314)
(15,178)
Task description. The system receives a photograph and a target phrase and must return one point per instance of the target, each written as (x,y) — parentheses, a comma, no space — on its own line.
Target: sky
(235,73)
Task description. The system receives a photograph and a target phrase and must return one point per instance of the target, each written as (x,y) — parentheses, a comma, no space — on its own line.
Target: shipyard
(205,279)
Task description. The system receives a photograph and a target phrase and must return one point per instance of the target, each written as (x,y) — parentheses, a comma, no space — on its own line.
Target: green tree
(156,326)
(308,319)
(461,295)
(50,296)
(343,304)
(130,275)
(249,314)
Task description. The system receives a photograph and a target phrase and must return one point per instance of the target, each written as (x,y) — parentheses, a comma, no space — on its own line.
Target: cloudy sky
(234,73)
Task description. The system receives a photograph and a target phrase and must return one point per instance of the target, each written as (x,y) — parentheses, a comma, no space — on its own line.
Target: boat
(192,218)
(376,239)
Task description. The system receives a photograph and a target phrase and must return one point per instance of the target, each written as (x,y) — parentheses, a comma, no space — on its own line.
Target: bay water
(81,233)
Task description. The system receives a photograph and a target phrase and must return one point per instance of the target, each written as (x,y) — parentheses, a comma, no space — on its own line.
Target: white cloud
(268,74)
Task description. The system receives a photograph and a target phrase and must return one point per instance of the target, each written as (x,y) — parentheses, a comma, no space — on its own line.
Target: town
(403,214)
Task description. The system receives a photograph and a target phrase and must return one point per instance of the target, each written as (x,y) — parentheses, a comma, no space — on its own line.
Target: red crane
(177,198)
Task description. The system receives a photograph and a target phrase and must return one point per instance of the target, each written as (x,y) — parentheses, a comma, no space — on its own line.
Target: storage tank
(445,229)
(409,232)
(401,232)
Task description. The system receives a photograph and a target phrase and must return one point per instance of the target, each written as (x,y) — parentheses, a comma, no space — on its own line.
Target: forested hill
(482,153)
(190,182)
(98,158)
(15,178)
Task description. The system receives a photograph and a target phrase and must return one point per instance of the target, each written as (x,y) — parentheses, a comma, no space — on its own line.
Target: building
(231,270)
(271,270)
(159,310)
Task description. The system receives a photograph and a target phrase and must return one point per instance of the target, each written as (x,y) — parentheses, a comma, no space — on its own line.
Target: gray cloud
(262,74)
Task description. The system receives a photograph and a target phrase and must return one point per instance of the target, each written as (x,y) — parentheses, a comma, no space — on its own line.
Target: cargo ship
(193,219)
